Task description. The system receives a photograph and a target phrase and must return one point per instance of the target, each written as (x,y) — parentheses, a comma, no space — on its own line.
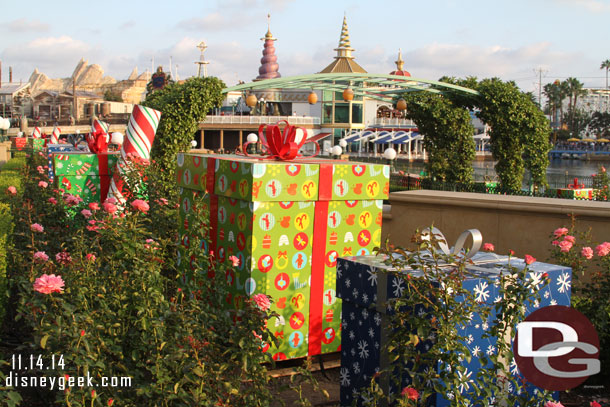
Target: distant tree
(606,65)
(574,89)
(600,124)
(556,92)
(111,96)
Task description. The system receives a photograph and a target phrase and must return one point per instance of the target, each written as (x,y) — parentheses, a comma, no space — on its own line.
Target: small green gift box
(85,174)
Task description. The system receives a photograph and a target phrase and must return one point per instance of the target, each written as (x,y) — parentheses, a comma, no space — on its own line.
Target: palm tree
(606,65)
(574,89)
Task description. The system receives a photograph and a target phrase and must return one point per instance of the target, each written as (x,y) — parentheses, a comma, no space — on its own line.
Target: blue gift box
(56,148)
(364,286)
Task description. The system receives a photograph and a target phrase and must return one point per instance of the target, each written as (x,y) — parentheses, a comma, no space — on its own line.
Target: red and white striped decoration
(55,136)
(36,132)
(139,138)
(99,125)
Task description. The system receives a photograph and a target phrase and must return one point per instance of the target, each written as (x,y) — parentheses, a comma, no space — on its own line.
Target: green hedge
(10,174)
(6,228)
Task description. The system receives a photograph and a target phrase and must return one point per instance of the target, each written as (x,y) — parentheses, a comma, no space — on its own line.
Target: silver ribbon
(477,241)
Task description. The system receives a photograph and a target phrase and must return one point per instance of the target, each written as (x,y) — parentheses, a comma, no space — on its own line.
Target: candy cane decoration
(55,135)
(91,186)
(140,135)
(83,170)
(36,133)
(99,125)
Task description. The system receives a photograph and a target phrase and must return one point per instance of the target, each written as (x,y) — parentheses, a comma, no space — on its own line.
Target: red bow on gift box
(281,144)
(98,138)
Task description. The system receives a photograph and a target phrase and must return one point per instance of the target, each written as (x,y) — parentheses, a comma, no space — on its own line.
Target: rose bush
(102,288)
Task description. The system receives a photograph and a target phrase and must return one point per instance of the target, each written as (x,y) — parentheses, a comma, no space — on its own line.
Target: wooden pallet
(317,363)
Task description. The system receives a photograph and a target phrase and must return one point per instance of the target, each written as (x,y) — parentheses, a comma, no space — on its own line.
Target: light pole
(390,155)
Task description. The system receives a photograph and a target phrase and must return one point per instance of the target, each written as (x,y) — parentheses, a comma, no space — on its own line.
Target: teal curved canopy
(373,86)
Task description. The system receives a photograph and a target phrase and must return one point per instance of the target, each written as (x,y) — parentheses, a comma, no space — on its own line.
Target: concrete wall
(522,224)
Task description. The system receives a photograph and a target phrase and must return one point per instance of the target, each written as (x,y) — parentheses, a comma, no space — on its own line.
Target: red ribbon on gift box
(280,144)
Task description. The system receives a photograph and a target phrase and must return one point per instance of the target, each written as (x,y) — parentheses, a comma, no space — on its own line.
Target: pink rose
(110,200)
(560,232)
(529,259)
(565,246)
(602,249)
(555,242)
(94,206)
(410,393)
(41,257)
(262,301)
(12,190)
(36,227)
(49,283)
(71,200)
(587,253)
(594,404)
(86,213)
(511,252)
(140,205)
(488,247)
(63,258)
(109,207)
(570,239)
(90,257)
(52,200)
(234,260)
(40,169)
(553,404)
(43,184)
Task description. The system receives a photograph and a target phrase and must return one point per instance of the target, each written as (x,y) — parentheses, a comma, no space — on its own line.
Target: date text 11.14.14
(23,362)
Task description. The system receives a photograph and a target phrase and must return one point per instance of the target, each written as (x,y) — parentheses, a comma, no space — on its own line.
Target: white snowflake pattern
(365,298)
(348,282)
(450,395)
(356,367)
(481,291)
(376,344)
(352,352)
(536,279)
(352,316)
(563,282)
(359,322)
(352,335)
(469,316)
(536,304)
(490,350)
(485,326)
(372,278)
(514,369)
(344,377)
(365,313)
(553,302)
(371,332)
(497,299)
(445,287)
(421,312)
(398,287)
(464,379)
(475,351)
(469,339)
(344,324)
(363,352)
(339,271)
(355,293)
(377,319)
(547,294)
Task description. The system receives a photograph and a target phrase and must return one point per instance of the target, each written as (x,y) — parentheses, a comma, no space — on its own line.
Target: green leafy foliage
(590,264)
(448,138)
(121,313)
(601,184)
(182,107)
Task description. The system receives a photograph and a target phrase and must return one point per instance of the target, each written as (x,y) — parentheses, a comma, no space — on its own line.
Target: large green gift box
(287,223)
(85,174)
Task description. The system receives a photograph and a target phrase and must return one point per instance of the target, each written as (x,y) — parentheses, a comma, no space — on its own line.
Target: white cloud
(594,6)
(22,25)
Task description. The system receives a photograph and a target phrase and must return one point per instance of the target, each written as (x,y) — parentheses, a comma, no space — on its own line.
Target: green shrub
(6,228)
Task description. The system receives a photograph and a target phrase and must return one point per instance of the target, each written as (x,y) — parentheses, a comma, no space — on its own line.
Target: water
(559,173)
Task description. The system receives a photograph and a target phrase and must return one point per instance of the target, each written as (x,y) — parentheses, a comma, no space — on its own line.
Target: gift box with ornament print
(364,285)
(37,144)
(287,222)
(84,174)
(583,194)
(53,149)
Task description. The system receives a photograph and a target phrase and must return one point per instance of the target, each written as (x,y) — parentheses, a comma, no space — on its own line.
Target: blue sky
(508,39)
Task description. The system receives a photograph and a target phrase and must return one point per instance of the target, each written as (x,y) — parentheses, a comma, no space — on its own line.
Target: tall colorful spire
(400,66)
(269,68)
(344,61)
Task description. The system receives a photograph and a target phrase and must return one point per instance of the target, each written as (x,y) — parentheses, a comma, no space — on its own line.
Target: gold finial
(268,36)
(399,63)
